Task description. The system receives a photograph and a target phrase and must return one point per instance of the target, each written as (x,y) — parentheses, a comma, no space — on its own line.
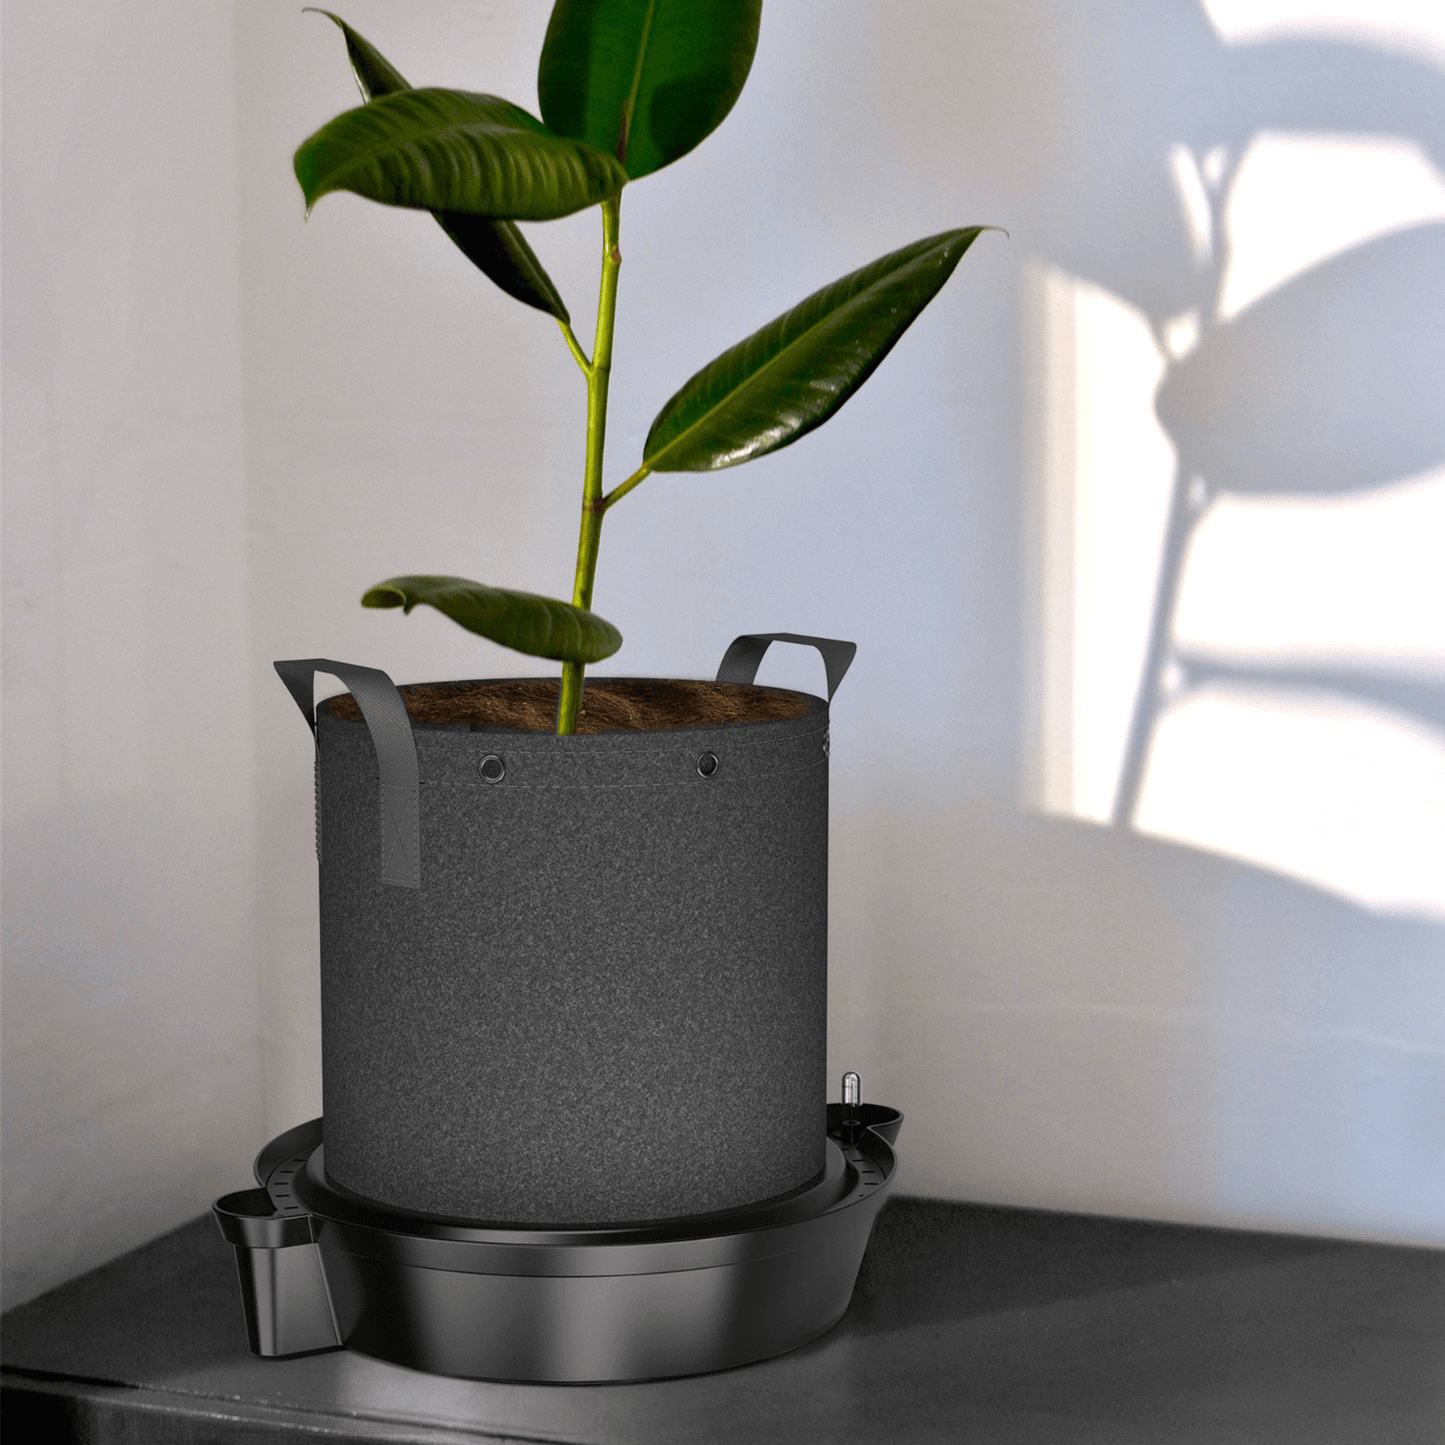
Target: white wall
(399,420)
(1071,1014)
(131,1027)
(1245,1028)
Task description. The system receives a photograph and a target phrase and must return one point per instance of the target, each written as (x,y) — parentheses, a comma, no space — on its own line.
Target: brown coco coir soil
(531,705)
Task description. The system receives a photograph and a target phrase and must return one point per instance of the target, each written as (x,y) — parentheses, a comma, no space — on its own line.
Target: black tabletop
(969,1323)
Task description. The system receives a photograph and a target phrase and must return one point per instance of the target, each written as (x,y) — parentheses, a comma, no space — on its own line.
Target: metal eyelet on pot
(493,769)
(707,765)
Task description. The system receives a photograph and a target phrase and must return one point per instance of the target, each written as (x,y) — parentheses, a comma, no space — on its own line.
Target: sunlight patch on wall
(1297,200)
(1291,710)
(1408,27)
(1364,581)
(1338,793)
(1105,469)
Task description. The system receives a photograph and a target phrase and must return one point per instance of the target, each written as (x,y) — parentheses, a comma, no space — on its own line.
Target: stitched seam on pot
(503,744)
(737,770)
(339,769)
(684,782)
(509,742)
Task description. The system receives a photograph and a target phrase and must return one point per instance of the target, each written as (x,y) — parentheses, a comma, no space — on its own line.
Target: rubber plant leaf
(523,621)
(645,80)
(496,247)
(375,74)
(794,373)
(452,150)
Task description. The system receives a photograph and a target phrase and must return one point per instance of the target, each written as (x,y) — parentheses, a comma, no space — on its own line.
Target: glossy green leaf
(523,621)
(499,249)
(452,150)
(645,80)
(496,247)
(375,74)
(793,374)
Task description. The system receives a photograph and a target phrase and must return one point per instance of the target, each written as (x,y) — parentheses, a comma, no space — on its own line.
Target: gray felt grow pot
(572,981)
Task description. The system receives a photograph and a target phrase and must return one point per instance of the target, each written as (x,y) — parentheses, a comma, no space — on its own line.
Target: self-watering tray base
(321,1268)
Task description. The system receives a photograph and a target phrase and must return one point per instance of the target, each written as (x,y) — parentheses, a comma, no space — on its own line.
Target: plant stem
(575,347)
(620,491)
(569,701)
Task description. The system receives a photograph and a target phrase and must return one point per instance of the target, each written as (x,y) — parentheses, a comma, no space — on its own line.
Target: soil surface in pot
(530,705)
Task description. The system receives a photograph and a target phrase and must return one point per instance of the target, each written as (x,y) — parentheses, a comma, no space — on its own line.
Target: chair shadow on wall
(1084,144)
(1073,974)
(1333,383)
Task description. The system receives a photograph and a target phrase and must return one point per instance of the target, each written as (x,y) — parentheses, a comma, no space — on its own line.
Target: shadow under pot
(573,980)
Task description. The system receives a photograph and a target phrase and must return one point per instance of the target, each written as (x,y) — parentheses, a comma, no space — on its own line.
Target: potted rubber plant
(573,934)
(626,88)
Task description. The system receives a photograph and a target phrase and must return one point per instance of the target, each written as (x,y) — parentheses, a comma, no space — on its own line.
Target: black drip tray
(323,1268)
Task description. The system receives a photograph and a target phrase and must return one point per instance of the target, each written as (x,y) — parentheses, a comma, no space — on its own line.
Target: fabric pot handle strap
(740,662)
(390,727)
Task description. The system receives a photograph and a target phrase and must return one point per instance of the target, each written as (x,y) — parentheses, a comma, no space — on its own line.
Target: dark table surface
(969,1323)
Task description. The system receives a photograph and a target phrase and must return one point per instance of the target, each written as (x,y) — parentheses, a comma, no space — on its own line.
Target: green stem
(569,701)
(575,347)
(621,490)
